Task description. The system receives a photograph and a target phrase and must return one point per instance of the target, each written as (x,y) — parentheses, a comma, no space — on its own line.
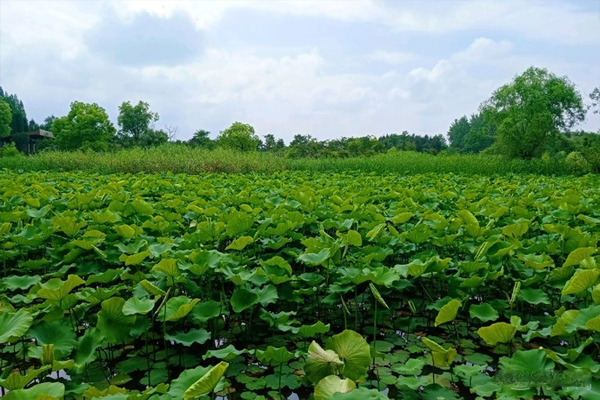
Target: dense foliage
(86,127)
(533,109)
(179,286)
(184,159)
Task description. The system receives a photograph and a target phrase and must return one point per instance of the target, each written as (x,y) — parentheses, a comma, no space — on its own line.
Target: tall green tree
(135,122)
(19,122)
(85,127)
(528,112)
(48,121)
(5,119)
(471,135)
(239,136)
(201,138)
(595,106)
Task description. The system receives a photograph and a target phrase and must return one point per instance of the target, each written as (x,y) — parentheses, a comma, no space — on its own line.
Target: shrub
(577,163)
(10,150)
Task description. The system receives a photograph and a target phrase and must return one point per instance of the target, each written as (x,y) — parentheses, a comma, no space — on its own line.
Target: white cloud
(45,60)
(391,57)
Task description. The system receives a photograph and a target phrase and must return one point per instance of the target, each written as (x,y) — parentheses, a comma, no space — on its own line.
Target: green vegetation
(184,159)
(531,111)
(86,127)
(345,286)
(528,118)
(5,119)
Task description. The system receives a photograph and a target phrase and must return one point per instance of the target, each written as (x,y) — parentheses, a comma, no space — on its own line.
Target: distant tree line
(87,127)
(530,117)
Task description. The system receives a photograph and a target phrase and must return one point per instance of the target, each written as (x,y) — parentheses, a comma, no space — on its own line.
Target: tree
(536,106)
(85,127)
(458,131)
(154,138)
(19,121)
(595,106)
(201,138)
(239,136)
(273,144)
(33,126)
(5,119)
(48,121)
(135,122)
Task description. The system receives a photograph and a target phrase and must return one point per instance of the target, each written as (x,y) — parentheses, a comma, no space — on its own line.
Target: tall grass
(182,159)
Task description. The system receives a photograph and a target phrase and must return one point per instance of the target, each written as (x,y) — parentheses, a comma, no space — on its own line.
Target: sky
(322,68)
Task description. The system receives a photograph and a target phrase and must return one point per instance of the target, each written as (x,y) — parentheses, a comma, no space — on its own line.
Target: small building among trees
(34,137)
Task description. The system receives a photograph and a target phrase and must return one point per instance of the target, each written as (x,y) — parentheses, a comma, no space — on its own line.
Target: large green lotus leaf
(87,346)
(68,225)
(413,366)
(238,222)
(14,325)
(135,305)
(20,282)
(596,294)
(125,231)
(314,259)
(534,296)
(384,276)
(440,356)
(579,256)
(593,324)
(185,380)
(267,295)
(484,312)
(352,238)
(308,331)
(585,390)
(581,281)
(515,231)
(56,290)
(152,288)
(177,308)
(226,353)
(354,350)
(437,392)
(332,384)
(240,243)
(500,332)
(16,380)
(242,299)
(448,312)
(105,277)
(134,259)
(527,360)
(205,311)
(167,266)
(321,363)
(207,383)
(142,207)
(467,217)
(57,333)
(41,391)
(402,217)
(278,262)
(200,336)
(112,323)
(274,355)
(562,325)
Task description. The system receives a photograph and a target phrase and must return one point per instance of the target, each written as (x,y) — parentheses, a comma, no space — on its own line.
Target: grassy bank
(179,159)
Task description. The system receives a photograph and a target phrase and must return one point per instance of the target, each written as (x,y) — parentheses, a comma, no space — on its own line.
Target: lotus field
(298,285)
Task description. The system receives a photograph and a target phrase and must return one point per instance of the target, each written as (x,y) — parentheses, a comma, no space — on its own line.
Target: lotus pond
(298,285)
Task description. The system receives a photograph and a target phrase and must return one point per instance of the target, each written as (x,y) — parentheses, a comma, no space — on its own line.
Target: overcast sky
(324,68)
